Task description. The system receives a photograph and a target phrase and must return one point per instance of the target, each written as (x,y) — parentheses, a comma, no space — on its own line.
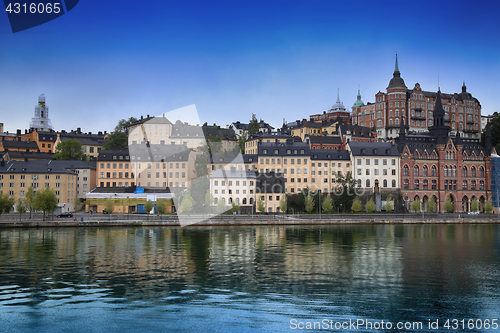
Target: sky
(107,60)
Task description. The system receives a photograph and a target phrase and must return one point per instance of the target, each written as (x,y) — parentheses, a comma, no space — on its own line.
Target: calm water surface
(248,279)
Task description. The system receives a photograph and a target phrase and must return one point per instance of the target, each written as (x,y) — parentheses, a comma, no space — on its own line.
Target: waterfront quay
(116,220)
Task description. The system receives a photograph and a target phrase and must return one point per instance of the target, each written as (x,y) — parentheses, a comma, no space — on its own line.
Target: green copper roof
(358,102)
(397,67)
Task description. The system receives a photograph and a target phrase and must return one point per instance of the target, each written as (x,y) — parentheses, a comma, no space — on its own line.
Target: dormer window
(363,151)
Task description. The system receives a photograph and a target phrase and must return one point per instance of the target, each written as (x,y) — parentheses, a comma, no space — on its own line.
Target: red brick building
(440,165)
(462,110)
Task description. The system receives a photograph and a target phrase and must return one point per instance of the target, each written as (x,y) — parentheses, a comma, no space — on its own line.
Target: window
(473,172)
(385,183)
(367,183)
(425,184)
(481,172)
(434,184)
(473,185)
(464,185)
(415,171)
(405,184)
(464,172)
(406,171)
(424,171)
(416,184)
(433,171)
(393,183)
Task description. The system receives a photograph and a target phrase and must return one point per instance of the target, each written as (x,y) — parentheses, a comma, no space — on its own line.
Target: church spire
(338,95)
(396,69)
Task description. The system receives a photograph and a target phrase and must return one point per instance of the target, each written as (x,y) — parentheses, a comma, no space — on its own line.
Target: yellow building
(17,176)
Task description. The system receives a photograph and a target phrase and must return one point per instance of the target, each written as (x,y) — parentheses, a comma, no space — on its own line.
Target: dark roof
(113,155)
(223,133)
(373,149)
(290,149)
(356,131)
(233,174)
(87,139)
(270,182)
(74,164)
(44,166)
(333,140)
(20,144)
(29,155)
(329,154)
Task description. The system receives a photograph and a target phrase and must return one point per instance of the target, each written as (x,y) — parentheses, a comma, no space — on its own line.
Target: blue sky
(102,62)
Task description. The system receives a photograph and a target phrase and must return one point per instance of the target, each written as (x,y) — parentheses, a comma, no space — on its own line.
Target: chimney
(304,122)
(18,132)
(142,117)
(79,130)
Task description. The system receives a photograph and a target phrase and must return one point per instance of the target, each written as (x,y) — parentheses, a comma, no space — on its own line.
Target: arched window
(425,171)
(394,183)
(406,171)
(464,172)
(473,172)
(230,200)
(433,171)
(464,185)
(367,183)
(445,171)
(481,172)
(244,201)
(216,200)
(454,171)
(359,182)
(251,201)
(405,184)
(415,171)
(481,184)
(385,183)
(415,155)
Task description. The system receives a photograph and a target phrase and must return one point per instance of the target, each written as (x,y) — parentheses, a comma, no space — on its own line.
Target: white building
(234,185)
(41,121)
(375,161)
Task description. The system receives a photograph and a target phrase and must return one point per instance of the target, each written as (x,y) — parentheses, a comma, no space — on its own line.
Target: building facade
(462,110)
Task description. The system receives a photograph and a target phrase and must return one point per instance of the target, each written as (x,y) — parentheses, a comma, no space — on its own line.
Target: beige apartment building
(17,176)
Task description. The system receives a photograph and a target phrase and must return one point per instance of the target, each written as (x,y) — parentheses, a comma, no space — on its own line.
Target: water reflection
(253,276)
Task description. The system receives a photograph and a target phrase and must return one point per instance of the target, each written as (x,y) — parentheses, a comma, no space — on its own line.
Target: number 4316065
(33,8)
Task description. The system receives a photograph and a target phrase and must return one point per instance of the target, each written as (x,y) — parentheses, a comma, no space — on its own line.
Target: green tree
(187,202)
(328,204)
(209,199)
(309,203)
(389,204)
(431,205)
(178,194)
(283,203)
(260,204)
(161,206)
(415,205)
(109,206)
(6,203)
(21,207)
(488,206)
(241,142)
(235,207)
(115,140)
(370,206)
(30,199)
(474,205)
(213,145)
(148,206)
(448,205)
(124,124)
(221,206)
(253,126)
(345,190)
(356,205)
(70,149)
(45,200)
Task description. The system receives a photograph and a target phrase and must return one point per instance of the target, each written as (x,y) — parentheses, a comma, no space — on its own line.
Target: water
(249,279)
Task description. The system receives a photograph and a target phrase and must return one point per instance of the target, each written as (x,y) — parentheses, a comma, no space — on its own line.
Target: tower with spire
(41,121)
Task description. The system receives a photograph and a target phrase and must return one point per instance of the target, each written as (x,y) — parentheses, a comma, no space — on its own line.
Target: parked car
(475,212)
(65,215)
(105,211)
